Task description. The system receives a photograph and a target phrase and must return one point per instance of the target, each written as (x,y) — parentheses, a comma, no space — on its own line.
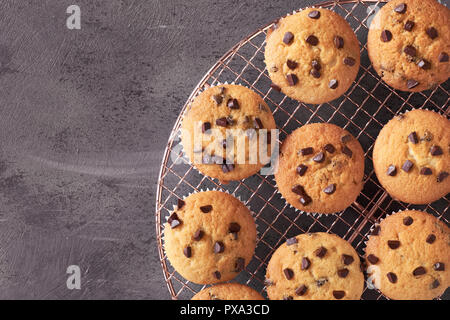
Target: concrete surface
(84,119)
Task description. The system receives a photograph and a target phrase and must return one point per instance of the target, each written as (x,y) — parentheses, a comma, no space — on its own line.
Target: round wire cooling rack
(362,110)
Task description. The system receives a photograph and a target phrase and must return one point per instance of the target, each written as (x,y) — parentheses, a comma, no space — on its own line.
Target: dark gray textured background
(85,116)
(84,119)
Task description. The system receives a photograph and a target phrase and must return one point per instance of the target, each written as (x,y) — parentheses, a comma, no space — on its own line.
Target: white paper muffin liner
(184,154)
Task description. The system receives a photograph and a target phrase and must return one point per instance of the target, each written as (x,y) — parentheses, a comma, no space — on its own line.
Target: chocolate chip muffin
(228,291)
(226,132)
(315,266)
(312,56)
(408,256)
(210,237)
(411,156)
(409,44)
(320,169)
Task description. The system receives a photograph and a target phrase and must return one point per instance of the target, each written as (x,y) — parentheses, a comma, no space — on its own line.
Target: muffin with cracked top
(409,44)
(320,169)
(408,256)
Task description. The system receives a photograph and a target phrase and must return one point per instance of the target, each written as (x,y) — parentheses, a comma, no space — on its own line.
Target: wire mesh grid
(362,110)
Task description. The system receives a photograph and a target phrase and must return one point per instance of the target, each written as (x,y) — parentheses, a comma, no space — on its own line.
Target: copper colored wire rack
(362,110)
